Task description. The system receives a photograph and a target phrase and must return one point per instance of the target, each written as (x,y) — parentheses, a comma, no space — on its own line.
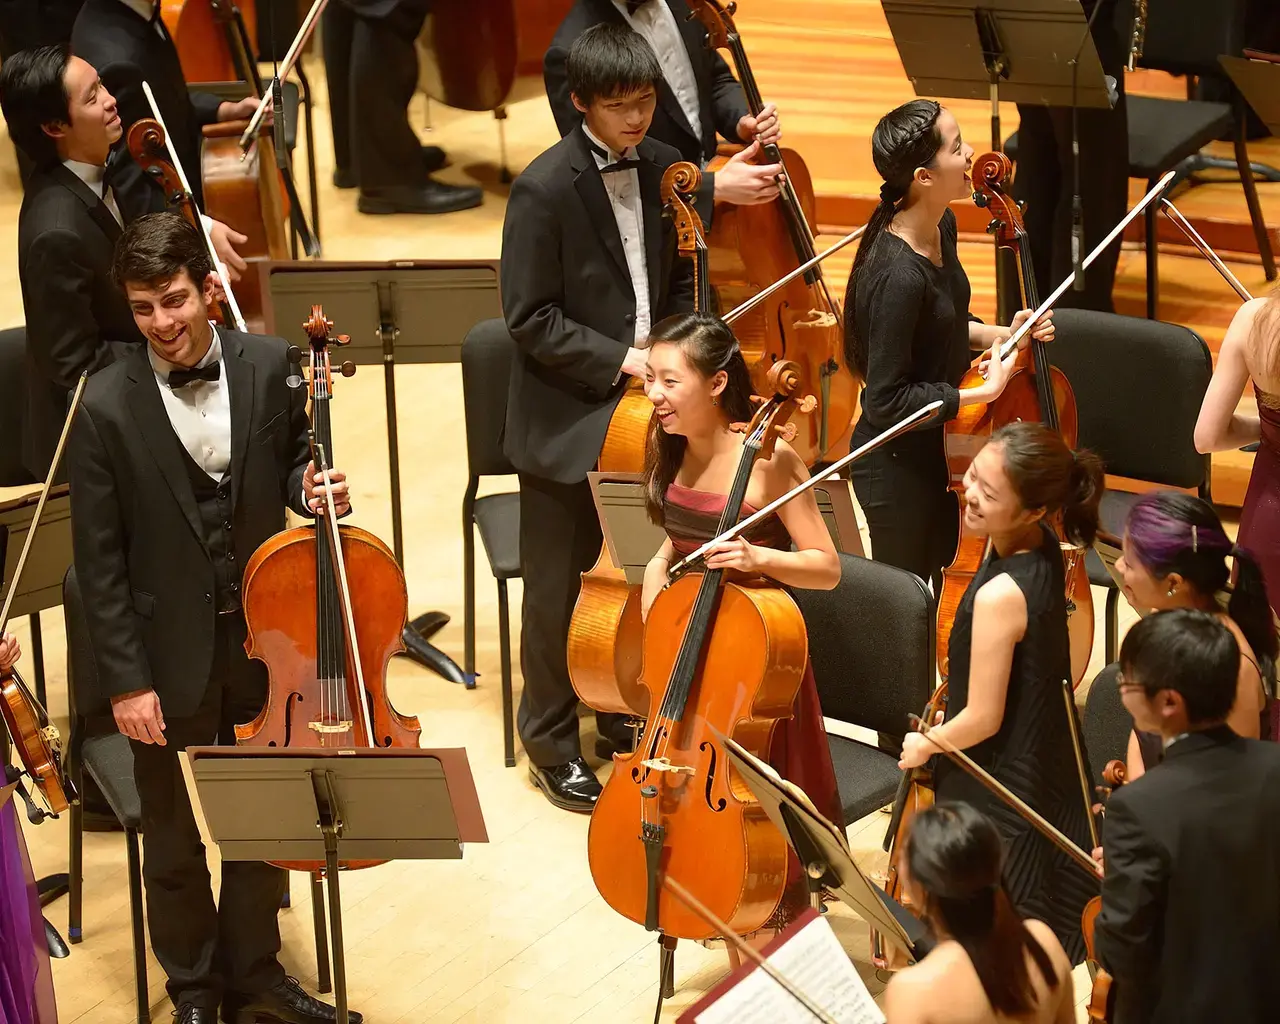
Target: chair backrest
(487,354)
(871,645)
(1138,386)
(1186,37)
(83,695)
(1106,723)
(13,346)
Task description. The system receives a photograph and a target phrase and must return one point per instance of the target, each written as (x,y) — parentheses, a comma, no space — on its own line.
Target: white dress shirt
(200,412)
(623,188)
(92,175)
(657,25)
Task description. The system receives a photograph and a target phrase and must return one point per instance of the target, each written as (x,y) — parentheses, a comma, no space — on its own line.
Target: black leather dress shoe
(189,1014)
(286,1003)
(433,158)
(571,787)
(433,197)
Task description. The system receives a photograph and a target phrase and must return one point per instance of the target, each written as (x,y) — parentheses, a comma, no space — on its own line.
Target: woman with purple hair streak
(1250,352)
(1175,556)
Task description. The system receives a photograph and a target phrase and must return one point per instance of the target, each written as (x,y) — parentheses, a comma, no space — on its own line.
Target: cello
(1036,390)
(326,657)
(753,245)
(719,657)
(606,634)
(211,37)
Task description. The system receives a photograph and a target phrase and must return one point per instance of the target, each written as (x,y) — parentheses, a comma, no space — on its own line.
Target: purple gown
(26,980)
(1260,517)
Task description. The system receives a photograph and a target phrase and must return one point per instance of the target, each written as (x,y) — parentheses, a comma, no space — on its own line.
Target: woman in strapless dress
(699,385)
(1250,352)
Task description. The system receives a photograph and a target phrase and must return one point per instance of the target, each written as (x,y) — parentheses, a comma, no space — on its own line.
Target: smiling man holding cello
(181,461)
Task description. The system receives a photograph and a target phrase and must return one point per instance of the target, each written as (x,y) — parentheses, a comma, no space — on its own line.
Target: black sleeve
(895,298)
(206,107)
(555,77)
(533,285)
(1129,929)
(728,103)
(62,333)
(98,542)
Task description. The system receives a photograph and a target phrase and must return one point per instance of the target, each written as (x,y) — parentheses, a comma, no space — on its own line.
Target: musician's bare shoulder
(944,988)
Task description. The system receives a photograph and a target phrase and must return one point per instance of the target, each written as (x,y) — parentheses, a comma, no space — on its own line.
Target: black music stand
(408,311)
(332,804)
(1259,83)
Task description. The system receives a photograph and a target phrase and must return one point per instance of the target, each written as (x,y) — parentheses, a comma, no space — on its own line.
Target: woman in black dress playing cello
(1009,656)
(910,336)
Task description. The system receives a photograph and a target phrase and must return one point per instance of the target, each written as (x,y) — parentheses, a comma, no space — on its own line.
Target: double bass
(719,658)
(325,606)
(1036,390)
(751,246)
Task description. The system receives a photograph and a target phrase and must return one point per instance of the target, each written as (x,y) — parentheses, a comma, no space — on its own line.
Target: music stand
(332,804)
(1258,80)
(824,853)
(41,585)
(408,311)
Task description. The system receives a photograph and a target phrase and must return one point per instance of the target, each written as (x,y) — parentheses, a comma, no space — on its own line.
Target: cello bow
(291,56)
(782,282)
(1184,225)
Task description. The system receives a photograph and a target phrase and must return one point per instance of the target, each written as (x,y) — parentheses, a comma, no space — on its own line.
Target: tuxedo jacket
(144,571)
(1190,921)
(127,51)
(568,302)
(720,96)
(77,319)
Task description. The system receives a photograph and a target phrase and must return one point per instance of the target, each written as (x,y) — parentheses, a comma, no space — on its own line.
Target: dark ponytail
(905,138)
(709,347)
(1049,475)
(955,856)
(1170,532)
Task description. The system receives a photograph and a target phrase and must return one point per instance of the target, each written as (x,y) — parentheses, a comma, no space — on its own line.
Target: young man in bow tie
(588,265)
(181,462)
(698,96)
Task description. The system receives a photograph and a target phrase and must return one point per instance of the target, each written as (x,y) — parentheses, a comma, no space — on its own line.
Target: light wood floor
(515,931)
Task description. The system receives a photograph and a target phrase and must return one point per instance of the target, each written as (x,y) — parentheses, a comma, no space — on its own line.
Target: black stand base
(416,639)
(666,973)
(1193,165)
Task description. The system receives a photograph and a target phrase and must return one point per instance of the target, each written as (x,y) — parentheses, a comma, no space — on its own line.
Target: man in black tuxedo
(181,461)
(697,96)
(371,62)
(66,121)
(588,265)
(1190,921)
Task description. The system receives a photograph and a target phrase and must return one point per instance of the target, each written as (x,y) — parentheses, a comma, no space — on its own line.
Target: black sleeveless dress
(1032,753)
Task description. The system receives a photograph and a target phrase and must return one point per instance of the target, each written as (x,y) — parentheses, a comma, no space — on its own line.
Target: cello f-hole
(716,804)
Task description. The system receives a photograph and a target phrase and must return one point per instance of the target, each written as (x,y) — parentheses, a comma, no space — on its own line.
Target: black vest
(213,499)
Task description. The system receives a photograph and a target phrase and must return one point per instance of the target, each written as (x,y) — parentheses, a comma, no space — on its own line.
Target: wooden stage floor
(515,931)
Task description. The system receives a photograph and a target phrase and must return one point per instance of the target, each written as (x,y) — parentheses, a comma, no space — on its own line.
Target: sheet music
(814,962)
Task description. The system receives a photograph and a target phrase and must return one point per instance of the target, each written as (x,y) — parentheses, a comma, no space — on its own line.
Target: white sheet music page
(813,960)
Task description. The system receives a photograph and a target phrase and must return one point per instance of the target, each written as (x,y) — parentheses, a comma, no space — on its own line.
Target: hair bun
(892,194)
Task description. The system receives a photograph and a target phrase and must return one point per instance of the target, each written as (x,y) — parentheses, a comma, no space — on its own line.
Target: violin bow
(916,419)
(344,591)
(804,268)
(746,949)
(290,59)
(219,267)
(1175,215)
(1024,809)
(1077,747)
(1156,192)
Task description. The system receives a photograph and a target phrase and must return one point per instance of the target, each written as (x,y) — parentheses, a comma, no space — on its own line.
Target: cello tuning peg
(348,369)
(807,404)
(343,339)
(757,399)
(739,428)
(787,432)
(293,381)
(293,354)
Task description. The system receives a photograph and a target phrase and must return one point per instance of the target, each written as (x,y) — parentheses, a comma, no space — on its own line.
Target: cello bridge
(663,764)
(325,728)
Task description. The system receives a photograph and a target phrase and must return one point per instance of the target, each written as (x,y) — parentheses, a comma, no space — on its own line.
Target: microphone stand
(1077,206)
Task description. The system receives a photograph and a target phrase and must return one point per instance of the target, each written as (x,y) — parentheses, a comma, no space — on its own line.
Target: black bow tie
(620,165)
(181,378)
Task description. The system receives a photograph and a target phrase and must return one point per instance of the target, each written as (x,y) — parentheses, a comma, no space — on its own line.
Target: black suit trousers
(206,949)
(372,68)
(559,540)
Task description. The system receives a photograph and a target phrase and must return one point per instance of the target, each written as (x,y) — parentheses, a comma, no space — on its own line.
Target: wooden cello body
(1036,391)
(327,656)
(720,659)
(470,53)
(753,246)
(199,32)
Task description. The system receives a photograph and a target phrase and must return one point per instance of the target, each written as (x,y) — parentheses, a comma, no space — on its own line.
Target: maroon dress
(1260,516)
(798,750)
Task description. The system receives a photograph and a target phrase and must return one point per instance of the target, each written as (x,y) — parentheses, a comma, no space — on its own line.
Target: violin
(606,633)
(35,737)
(753,245)
(720,658)
(1101,1006)
(325,606)
(1036,390)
